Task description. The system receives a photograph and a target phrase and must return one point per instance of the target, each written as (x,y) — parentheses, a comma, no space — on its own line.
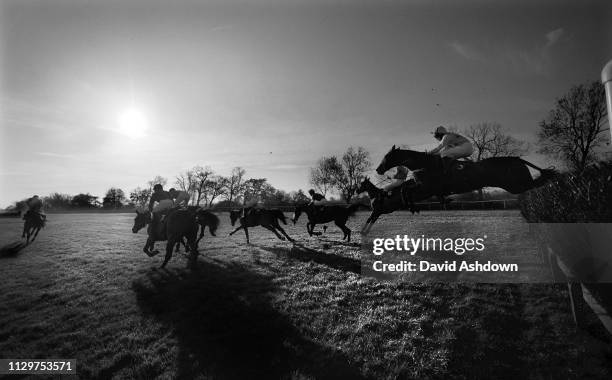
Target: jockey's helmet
(440,131)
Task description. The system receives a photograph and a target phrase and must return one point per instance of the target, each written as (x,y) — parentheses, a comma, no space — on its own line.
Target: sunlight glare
(132,123)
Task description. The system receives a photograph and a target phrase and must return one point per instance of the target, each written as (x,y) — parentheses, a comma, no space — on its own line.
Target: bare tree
(158,179)
(489,140)
(345,174)
(200,182)
(215,186)
(322,176)
(186,182)
(235,184)
(575,127)
(140,197)
(256,189)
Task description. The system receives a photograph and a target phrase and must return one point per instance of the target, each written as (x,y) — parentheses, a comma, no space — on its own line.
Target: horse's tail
(214,222)
(280,215)
(545,174)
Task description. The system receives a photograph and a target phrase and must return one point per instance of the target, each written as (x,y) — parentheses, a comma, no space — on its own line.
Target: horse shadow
(342,243)
(302,253)
(12,249)
(227,328)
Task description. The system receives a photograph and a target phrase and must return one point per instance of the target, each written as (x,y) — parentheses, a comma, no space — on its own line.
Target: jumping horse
(434,177)
(509,173)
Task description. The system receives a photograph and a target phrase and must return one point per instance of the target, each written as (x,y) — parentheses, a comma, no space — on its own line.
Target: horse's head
(296,213)
(401,157)
(234,215)
(143,217)
(389,161)
(363,186)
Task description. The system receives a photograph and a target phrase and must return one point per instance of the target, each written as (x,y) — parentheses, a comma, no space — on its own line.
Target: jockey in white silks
(181,198)
(452,145)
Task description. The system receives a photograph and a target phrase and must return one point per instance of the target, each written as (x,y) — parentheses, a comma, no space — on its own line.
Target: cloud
(536,59)
(56,155)
(553,37)
(466,51)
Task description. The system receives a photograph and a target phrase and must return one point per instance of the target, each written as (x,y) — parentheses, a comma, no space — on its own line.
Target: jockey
(402,174)
(164,202)
(452,145)
(34,206)
(181,198)
(317,199)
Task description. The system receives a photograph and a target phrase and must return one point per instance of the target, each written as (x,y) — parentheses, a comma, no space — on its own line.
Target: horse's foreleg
(246,232)
(236,230)
(36,233)
(169,247)
(312,231)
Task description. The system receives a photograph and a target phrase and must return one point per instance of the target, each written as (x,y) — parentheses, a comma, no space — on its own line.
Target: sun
(132,123)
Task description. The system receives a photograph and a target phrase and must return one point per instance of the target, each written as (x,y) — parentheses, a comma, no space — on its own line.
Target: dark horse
(267,218)
(325,214)
(388,204)
(177,225)
(33,223)
(509,173)
(204,218)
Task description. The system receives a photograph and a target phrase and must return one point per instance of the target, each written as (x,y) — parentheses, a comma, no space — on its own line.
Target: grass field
(273,310)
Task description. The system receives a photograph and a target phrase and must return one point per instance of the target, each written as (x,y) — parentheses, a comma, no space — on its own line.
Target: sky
(95,94)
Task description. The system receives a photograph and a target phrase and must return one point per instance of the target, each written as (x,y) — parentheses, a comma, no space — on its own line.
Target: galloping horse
(267,218)
(336,213)
(509,173)
(179,224)
(33,223)
(204,218)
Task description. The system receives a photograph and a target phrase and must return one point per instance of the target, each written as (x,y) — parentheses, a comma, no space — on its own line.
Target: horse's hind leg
(345,230)
(36,233)
(269,227)
(284,233)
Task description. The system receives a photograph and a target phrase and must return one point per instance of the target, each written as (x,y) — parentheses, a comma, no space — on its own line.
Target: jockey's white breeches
(163,205)
(458,151)
(393,184)
(182,199)
(320,203)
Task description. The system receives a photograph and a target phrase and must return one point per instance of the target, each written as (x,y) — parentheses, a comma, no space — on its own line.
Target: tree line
(205,188)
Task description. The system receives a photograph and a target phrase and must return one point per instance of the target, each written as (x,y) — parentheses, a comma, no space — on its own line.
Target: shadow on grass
(490,346)
(305,254)
(226,327)
(340,242)
(12,249)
